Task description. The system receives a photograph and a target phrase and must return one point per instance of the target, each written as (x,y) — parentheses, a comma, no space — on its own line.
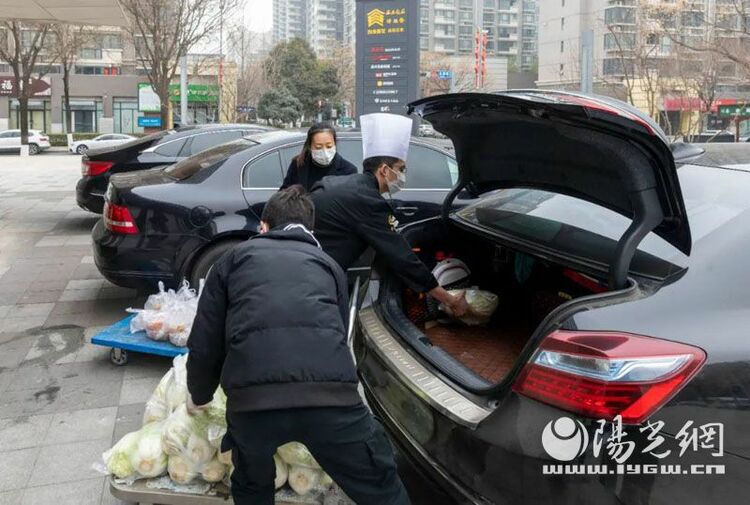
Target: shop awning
(693,103)
(84,12)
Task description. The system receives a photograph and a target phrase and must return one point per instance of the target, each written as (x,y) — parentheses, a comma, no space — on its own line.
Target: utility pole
(587,61)
(221,56)
(184,91)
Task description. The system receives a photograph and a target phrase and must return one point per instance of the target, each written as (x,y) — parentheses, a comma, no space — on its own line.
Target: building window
(563,3)
(39,114)
(562,46)
(562,23)
(111,41)
(86,115)
(562,68)
(652,39)
(424,43)
(90,53)
(126,114)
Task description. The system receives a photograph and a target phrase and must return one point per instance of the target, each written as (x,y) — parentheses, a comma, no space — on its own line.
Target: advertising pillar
(387,56)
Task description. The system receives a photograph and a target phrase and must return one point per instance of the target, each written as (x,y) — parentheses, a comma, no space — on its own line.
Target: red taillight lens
(89,167)
(606,374)
(43,139)
(117,219)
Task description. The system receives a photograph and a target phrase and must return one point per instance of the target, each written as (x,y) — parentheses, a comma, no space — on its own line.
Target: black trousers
(348,442)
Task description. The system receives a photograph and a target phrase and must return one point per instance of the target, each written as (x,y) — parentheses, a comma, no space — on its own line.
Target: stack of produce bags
(168,315)
(187,448)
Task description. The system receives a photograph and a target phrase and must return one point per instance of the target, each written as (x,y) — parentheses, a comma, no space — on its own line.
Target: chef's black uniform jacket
(351,215)
(310,172)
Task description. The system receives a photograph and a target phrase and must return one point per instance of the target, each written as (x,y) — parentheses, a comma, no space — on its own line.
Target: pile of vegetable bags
(187,448)
(168,315)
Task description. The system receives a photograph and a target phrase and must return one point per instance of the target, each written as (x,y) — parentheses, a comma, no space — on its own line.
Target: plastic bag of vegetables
(296,454)
(157,407)
(136,455)
(482,305)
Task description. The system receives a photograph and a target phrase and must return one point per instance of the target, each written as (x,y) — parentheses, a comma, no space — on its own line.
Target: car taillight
(117,219)
(89,167)
(43,139)
(606,374)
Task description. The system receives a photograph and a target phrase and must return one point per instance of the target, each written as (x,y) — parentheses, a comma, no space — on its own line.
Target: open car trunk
(528,289)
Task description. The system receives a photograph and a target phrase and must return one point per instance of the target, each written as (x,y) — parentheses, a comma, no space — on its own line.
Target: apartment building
(289,20)
(324,24)
(449,26)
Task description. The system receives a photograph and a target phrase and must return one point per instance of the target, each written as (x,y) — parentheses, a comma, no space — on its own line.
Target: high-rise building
(289,20)
(324,24)
(449,26)
(636,56)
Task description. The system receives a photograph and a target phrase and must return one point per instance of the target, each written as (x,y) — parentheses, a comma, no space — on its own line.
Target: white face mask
(323,157)
(397,185)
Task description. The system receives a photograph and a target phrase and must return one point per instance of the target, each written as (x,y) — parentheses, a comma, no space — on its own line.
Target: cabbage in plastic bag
(117,459)
(296,454)
(282,471)
(213,471)
(157,406)
(482,305)
(148,459)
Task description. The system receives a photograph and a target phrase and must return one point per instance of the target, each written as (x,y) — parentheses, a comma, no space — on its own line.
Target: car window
(287,155)
(104,137)
(429,169)
(170,149)
(351,150)
(4,135)
(207,159)
(265,172)
(206,140)
(15,134)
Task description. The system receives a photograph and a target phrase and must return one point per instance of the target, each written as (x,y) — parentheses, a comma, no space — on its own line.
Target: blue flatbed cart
(121,341)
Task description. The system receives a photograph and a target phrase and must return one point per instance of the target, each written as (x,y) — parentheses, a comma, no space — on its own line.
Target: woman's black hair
(314,129)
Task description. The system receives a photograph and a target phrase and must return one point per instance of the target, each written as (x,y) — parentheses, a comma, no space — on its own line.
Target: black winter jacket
(310,172)
(271,327)
(351,214)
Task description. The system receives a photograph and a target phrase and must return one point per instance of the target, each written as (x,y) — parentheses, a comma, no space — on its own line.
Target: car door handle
(407,211)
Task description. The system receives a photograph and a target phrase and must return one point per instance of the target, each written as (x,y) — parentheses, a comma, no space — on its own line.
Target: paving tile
(87,260)
(57,320)
(79,492)
(4,310)
(129,419)
(40,297)
(79,240)
(13,352)
(78,307)
(79,295)
(84,284)
(16,467)
(29,402)
(78,457)
(81,425)
(13,324)
(11,497)
(9,297)
(109,293)
(5,378)
(33,310)
(51,241)
(23,432)
(47,285)
(146,365)
(52,345)
(137,390)
(91,352)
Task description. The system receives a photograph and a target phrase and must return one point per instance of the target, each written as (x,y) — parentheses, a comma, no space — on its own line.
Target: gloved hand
(192,408)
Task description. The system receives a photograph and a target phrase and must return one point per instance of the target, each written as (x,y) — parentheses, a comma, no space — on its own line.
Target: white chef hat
(385,135)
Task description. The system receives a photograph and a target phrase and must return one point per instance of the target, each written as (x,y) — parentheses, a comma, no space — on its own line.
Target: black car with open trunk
(619,343)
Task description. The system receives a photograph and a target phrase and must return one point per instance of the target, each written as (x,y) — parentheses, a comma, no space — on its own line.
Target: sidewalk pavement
(62,403)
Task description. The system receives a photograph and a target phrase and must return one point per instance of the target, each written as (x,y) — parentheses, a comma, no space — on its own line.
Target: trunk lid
(127,150)
(593,148)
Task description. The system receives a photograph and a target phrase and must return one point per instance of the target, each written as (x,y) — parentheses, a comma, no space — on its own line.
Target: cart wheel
(118,356)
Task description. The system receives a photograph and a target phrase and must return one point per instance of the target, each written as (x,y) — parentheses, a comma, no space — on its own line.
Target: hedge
(61,139)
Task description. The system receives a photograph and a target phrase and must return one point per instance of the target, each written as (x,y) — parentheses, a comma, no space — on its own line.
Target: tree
(342,60)
(252,82)
(462,69)
(279,106)
(165,30)
(21,54)
(69,40)
(294,66)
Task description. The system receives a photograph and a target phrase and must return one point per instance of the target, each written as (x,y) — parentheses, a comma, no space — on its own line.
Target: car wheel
(34,149)
(206,260)
(82,149)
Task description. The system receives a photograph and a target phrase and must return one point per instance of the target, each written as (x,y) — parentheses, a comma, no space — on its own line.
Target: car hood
(595,149)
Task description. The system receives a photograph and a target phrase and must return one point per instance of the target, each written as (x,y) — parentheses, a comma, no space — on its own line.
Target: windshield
(207,159)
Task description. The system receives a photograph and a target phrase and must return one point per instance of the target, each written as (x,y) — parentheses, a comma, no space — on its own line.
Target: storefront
(85,115)
(39,113)
(126,114)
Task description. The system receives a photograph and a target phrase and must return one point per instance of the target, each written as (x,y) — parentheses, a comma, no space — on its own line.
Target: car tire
(82,149)
(206,260)
(34,149)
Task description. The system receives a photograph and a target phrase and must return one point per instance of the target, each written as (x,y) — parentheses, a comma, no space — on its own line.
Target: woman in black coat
(318,159)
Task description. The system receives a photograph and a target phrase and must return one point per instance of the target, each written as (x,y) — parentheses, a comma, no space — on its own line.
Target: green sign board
(734,110)
(202,93)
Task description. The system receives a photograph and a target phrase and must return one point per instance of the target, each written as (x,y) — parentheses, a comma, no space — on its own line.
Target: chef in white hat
(352,215)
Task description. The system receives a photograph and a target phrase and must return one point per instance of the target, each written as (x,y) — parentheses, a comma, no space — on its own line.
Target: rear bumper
(122,261)
(89,195)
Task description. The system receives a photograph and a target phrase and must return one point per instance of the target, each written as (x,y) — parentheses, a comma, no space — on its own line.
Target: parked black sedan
(162,148)
(166,224)
(616,369)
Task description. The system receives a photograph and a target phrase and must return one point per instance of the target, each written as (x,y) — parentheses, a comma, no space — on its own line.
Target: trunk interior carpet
(490,352)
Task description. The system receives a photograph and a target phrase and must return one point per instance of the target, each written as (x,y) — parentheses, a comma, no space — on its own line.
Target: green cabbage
(303,479)
(148,459)
(118,458)
(282,472)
